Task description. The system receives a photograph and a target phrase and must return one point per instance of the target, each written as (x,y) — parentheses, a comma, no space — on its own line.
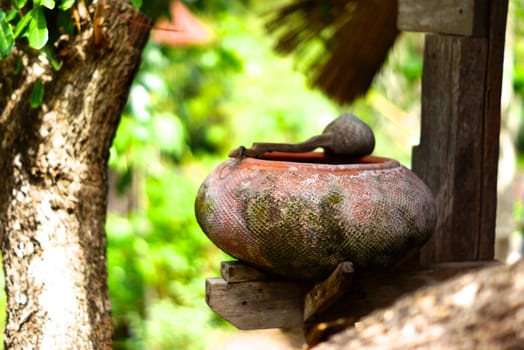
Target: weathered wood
(327,292)
(466,17)
(235,271)
(277,303)
(258,304)
(458,153)
(490,138)
(449,157)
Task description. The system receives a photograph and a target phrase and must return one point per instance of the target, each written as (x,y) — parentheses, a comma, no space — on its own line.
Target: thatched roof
(339,44)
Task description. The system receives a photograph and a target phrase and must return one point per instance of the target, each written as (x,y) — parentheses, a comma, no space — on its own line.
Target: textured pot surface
(298,216)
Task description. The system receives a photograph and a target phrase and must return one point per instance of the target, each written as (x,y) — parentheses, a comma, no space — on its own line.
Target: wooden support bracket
(326,293)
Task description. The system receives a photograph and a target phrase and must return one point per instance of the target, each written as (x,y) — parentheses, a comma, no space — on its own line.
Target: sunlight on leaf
(22,24)
(37,32)
(66,4)
(6,36)
(11,14)
(50,4)
(20,3)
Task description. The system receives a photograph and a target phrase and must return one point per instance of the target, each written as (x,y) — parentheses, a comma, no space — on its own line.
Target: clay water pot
(299,215)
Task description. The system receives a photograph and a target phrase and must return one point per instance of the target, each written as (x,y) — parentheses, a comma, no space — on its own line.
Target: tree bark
(54,182)
(480,310)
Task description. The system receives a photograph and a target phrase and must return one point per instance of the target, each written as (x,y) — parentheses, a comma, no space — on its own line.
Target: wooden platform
(251,299)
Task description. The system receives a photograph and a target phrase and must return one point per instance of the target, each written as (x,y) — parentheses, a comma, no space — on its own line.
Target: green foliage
(37,32)
(37,96)
(136,3)
(157,254)
(27,21)
(66,4)
(6,35)
(518,49)
(50,4)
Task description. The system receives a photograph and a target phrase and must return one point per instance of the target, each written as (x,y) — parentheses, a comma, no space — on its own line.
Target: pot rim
(319,161)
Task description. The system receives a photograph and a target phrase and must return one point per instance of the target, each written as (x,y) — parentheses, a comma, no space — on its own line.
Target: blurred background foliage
(188,107)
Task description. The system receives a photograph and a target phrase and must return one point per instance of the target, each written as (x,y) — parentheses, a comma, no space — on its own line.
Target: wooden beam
(327,292)
(465,17)
(252,299)
(258,304)
(458,153)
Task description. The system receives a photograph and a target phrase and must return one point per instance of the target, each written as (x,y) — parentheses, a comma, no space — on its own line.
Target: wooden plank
(236,271)
(466,17)
(449,157)
(490,141)
(258,304)
(327,292)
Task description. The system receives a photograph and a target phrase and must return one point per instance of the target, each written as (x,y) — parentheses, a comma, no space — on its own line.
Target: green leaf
(19,67)
(136,3)
(37,32)
(22,24)
(65,22)
(19,4)
(50,4)
(6,36)
(37,96)
(66,4)
(51,56)
(11,14)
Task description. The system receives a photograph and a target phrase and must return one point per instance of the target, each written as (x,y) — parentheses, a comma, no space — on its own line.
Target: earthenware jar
(299,215)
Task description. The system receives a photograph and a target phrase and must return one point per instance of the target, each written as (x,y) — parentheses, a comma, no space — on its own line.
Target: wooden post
(458,152)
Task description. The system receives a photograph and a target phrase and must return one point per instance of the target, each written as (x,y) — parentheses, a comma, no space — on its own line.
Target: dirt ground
(269,339)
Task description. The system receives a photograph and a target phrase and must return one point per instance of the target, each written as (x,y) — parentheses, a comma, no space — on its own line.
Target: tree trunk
(54,182)
(480,310)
